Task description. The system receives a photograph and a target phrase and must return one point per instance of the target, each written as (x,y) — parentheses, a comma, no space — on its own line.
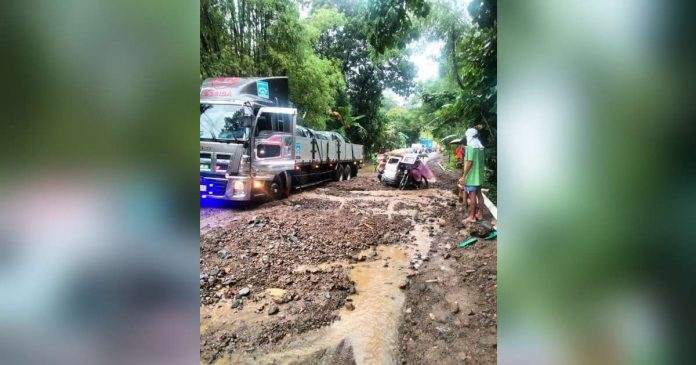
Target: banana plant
(348,121)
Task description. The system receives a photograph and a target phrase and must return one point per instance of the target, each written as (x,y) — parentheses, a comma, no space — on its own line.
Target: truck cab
(246,138)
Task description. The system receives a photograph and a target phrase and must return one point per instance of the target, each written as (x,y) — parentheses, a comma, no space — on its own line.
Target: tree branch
(495,132)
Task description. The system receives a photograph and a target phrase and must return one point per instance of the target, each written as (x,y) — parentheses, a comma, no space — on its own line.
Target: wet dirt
(325,277)
(450,312)
(368,327)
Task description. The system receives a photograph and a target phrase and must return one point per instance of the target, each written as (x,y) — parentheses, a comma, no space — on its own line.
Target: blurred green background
(99,86)
(98,215)
(595,186)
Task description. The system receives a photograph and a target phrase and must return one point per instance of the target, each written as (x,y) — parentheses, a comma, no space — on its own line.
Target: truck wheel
(276,189)
(355,170)
(287,185)
(348,172)
(339,173)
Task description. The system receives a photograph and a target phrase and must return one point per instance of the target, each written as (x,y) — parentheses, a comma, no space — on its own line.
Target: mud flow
(323,277)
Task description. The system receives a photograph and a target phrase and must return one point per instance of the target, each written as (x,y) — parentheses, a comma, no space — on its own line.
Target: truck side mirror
(248,121)
(248,110)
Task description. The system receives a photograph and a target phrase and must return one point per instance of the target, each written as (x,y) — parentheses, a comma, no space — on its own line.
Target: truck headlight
(267,150)
(238,185)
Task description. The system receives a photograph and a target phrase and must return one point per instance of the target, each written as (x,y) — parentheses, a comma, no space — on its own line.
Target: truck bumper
(235,188)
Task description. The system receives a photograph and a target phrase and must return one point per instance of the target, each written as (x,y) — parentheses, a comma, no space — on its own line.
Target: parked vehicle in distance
(391,169)
(381,163)
(406,170)
(414,174)
(427,144)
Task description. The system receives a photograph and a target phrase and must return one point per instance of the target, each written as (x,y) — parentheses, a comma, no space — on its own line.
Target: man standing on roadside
(473,173)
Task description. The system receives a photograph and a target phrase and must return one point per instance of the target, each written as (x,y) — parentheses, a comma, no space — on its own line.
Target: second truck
(251,145)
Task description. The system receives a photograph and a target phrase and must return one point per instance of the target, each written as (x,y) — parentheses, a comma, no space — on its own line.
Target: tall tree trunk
(234,26)
(455,67)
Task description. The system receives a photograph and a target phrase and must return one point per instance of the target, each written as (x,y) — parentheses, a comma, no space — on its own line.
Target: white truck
(251,145)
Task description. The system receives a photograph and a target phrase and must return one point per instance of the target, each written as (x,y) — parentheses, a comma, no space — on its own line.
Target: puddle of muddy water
(370,329)
(221,315)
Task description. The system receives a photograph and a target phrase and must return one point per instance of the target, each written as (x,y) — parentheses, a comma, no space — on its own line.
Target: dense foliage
(467,93)
(266,38)
(336,73)
(341,55)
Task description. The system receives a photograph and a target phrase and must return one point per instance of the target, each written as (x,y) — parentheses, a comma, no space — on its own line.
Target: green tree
(408,122)
(392,23)
(366,72)
(467,95)
(341,58)
(267,38)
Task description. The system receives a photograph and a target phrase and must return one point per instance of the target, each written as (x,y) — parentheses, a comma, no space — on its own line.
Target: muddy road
(352,272)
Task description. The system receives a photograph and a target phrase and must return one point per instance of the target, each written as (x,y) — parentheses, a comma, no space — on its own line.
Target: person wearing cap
(473,173)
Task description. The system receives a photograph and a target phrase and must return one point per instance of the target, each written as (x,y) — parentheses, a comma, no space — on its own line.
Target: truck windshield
(223,122)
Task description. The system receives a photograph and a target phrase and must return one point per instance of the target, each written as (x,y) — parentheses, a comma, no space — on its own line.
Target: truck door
(276,128)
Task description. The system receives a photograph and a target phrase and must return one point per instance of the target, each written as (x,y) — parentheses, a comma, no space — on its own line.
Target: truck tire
(339,174)
(287,184)
(277,189)
(355,170)
(348,172)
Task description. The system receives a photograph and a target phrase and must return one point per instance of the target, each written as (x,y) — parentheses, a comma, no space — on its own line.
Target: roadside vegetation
(341,55)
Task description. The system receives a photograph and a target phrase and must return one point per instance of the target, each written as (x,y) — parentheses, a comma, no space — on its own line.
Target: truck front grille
(215,187)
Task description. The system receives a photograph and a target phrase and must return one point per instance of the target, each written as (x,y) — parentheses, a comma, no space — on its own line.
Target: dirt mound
(367,182)
(446,180)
